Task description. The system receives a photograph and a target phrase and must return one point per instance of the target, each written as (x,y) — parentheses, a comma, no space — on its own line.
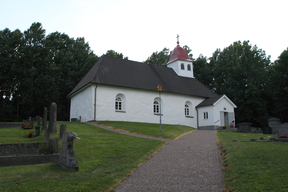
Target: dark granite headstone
(62,130)
(244,127)
(266,129)
(44,120)
(52,128)
(37,130)
(274,124)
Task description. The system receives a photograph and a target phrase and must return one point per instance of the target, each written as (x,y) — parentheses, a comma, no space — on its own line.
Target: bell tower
(180,62)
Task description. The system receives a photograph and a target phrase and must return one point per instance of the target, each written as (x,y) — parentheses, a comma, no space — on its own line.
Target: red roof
(179,54)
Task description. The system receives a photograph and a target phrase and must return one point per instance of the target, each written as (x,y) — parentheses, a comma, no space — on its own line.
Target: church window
(187,110)
(205,115)
(182,66)
(189,67)
(156,107)
(120,103)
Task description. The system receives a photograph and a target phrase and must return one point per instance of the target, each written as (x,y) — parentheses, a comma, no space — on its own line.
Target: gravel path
(191,163)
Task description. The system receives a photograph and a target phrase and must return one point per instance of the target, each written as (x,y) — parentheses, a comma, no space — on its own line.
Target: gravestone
(44,120)
(67,158)
(52,128)
(37,130)
(62,130)
(31,123)
(244,127)
(274,124)
(46,136)
(282,130)
(266,129)
(55,145)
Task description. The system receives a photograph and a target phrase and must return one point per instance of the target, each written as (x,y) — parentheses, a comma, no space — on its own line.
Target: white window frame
(205,115)
(189,67)
(188,109)
(120,103)
(182,68)
(156,107)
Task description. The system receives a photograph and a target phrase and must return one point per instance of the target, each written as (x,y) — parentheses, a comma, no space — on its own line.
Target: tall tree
(9,54)
(240,72)
(113,53)
(159,58)
(277,87)
(203,71)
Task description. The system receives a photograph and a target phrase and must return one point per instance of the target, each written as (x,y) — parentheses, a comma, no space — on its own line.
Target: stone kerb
(27,159)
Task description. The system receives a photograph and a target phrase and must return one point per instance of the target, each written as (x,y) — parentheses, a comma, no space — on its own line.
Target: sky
(138,28)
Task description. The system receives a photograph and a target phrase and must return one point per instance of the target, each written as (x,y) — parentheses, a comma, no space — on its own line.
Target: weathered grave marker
(67,159)
(266,129)
(52,128)
(46,136)
(62,130)
(37,130)
(44,120)
(274,124)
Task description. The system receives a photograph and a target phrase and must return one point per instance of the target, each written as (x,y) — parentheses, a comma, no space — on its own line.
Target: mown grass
(105,159)
(253,166)
(150,129)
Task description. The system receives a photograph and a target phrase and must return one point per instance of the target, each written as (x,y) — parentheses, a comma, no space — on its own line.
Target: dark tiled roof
(209,101)
(125,73)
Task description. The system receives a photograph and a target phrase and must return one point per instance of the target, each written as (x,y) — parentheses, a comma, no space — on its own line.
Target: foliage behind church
(36,70)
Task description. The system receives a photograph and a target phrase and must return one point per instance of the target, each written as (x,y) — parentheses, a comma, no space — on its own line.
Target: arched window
(182,66)
(156,107)
(189,67)
(187,110)
(120,102)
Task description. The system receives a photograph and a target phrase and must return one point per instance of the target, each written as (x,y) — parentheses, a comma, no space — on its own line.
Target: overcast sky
(139,28)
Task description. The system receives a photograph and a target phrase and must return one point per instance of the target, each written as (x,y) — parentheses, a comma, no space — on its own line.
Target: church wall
(224,103)
(206,122)
(82,104)
(139,106)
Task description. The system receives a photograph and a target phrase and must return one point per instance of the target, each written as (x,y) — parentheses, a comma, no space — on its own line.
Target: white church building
(122,90)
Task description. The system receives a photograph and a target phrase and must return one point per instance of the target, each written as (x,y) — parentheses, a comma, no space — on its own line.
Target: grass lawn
(105,159)
(150,129)
(253,166)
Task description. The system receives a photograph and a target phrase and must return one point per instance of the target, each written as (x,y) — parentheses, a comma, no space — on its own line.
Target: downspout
(95,103)
(197,119)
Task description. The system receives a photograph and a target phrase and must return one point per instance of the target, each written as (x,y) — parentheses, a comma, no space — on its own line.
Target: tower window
(182,66)
(189,67)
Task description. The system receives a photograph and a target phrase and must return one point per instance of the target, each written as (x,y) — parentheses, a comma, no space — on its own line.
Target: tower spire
(177,39)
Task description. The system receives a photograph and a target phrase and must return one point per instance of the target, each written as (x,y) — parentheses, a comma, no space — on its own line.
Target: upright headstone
(274,123)
(52,128)
(31,123)
(46,136)
(55,145)
(62,130)
(37,130)
(44,120)
(266,129)
(67,158)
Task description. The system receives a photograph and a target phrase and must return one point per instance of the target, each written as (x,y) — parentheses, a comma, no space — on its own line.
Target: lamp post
(159,88)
